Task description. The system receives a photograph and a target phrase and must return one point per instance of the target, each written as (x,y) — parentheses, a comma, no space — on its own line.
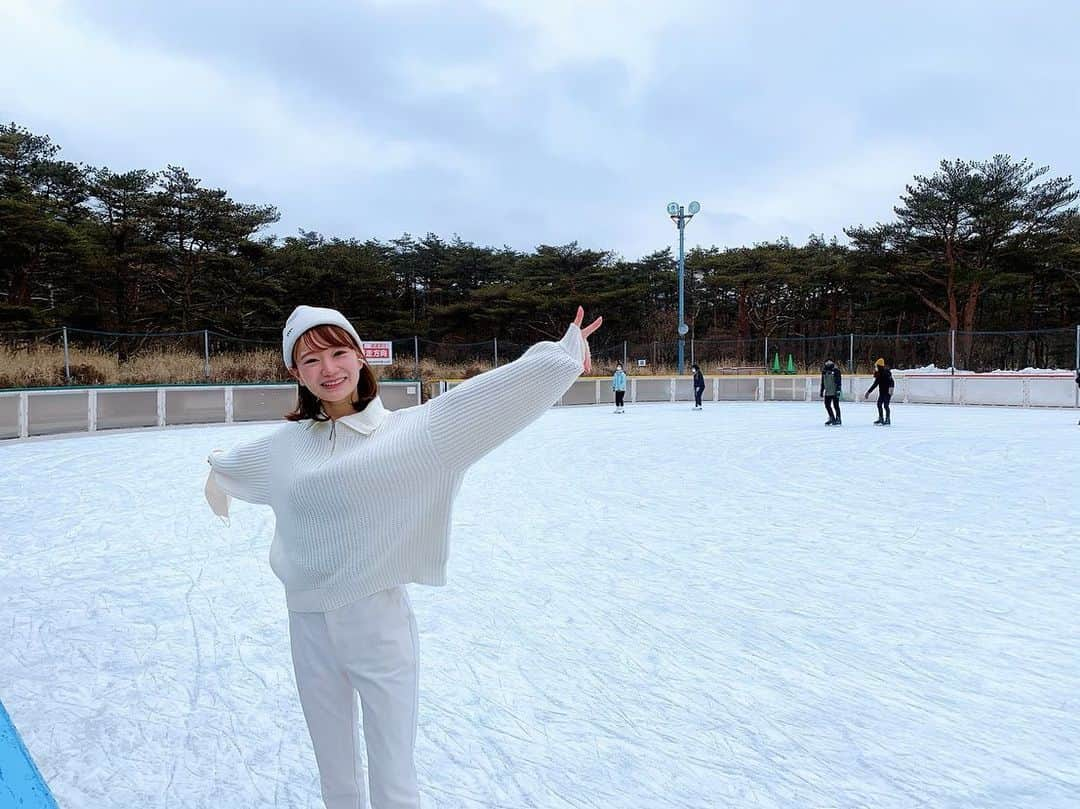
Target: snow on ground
(933,369)
(737,607)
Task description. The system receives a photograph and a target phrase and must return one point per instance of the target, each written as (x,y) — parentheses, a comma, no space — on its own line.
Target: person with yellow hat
(883,381)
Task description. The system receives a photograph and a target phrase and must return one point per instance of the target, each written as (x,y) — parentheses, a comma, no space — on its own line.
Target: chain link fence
(72,356)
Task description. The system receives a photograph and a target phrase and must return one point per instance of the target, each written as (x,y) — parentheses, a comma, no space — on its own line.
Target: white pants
(367,648)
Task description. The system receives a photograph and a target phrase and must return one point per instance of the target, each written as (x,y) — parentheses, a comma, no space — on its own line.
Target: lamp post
(680,217)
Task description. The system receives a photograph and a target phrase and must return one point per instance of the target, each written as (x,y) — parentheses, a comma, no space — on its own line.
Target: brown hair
(322,337)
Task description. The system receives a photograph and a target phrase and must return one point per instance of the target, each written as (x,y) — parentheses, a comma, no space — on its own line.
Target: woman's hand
(585,332)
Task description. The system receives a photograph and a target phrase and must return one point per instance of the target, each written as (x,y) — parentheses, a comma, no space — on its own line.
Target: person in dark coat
(883,381)
(699,385)
(830,392)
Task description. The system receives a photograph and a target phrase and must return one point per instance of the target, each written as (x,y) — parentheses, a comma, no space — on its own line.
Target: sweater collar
(367,420)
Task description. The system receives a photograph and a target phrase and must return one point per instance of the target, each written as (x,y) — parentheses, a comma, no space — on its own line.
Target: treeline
(979,245)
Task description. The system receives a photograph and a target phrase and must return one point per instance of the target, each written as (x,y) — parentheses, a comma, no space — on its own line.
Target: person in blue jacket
(618,384)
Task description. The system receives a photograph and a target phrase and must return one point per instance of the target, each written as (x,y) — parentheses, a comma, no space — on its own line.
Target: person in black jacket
(699,385)
(883,381)
(830,391)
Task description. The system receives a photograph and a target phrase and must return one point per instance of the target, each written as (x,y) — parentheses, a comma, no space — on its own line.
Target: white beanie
(308,317)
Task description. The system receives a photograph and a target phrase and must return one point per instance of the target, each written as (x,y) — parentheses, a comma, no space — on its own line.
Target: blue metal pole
(682,263)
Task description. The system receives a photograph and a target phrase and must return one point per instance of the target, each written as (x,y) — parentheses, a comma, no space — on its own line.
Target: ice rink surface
(738,607)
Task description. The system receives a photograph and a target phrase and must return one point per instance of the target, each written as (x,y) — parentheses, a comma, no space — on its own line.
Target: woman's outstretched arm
(476,416)
(242,472)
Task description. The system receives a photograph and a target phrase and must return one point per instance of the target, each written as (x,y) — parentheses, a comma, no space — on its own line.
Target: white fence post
(24,414)
(67,359)
(229,405)
(91,411)
(952,366)
(161,407)
(761,389)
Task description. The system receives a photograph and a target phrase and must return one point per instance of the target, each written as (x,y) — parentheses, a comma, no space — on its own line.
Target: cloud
(528,123)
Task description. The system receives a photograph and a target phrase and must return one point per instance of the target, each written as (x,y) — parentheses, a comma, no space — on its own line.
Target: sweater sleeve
(476,416)
(242,472)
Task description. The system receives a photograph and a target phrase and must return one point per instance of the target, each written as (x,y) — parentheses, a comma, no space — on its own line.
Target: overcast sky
(550,121)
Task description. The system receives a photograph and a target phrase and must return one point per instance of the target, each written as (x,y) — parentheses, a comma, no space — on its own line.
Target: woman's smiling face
(327,368)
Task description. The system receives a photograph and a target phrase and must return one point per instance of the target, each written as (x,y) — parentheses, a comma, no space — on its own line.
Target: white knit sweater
(364,504)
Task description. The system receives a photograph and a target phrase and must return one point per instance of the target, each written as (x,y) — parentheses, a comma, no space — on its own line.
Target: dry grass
(43,366)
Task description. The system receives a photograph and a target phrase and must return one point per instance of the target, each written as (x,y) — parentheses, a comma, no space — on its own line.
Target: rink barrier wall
(1008,390)
(54,411)
(40,412)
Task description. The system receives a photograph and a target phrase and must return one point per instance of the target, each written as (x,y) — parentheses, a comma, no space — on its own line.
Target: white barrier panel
(651,389)
(684,389)
(583,391)
(737,389)
(929,390)
(126,409)
(785,388)
(263,403)
(66,412)
(1001,391)
(194,405)
(10,421)
(1053,392)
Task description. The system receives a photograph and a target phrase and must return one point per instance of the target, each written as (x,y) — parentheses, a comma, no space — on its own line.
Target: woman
(618,385)
(362,499)
(883,381)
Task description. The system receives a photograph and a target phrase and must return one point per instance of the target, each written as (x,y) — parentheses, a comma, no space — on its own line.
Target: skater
(362,500)
(618,385)
(883,381)
(699,385)
(830,391)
